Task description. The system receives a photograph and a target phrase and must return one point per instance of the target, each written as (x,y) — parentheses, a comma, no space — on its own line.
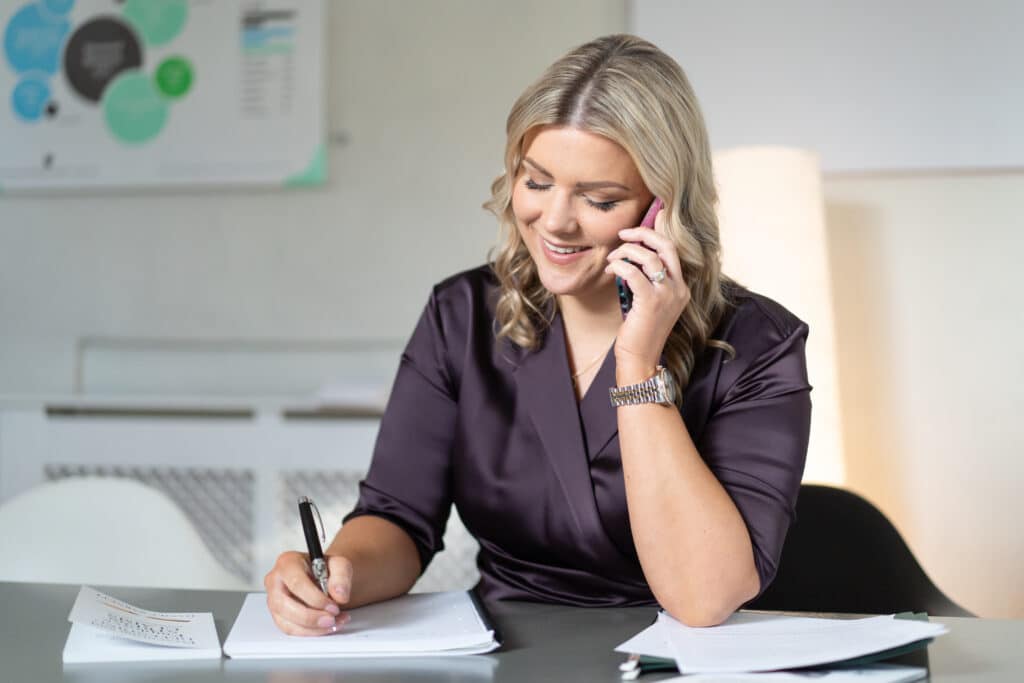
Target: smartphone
(625,293)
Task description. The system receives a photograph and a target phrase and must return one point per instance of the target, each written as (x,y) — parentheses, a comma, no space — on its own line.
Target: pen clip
(320,527)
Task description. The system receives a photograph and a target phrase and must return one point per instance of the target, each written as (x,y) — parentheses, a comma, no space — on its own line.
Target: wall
(423,136)
(929,330)
(925,268)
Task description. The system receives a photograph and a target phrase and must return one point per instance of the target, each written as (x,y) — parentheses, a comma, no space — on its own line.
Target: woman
(501,403)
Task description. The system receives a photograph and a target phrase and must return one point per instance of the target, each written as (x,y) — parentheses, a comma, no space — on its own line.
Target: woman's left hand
(656,304)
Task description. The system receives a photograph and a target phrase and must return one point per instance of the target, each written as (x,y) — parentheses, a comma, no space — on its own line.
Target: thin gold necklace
(589,365)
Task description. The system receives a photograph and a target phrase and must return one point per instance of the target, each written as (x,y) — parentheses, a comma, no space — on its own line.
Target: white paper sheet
(760,642)
(412,625)
(105,629)
(653,641)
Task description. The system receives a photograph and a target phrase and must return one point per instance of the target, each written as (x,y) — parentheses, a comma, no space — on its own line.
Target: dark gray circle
(97,52)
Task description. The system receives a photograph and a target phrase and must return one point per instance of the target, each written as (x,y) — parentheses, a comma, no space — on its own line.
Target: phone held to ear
(625,293)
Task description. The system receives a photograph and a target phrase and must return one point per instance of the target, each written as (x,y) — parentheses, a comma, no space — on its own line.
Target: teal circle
(174,77)
(30,98)
(133,109)
(157,21)
(58,6)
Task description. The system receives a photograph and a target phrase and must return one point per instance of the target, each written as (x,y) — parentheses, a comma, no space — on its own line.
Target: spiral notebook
(420,624)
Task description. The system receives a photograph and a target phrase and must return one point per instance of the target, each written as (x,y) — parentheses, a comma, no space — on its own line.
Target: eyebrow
(597,185)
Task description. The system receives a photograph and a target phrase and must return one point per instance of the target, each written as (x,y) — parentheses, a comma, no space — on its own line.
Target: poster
(159,93)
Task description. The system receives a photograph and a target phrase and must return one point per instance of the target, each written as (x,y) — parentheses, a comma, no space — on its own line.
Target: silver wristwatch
(659,389)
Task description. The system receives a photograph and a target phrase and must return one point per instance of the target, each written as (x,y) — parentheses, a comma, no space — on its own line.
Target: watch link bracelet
(660,389)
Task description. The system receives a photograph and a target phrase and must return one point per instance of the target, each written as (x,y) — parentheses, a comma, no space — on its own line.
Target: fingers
(642,257)
(635,277)
(294,629)
(339,583)
(655,242)
(296,618)
(296,603)
(294,571)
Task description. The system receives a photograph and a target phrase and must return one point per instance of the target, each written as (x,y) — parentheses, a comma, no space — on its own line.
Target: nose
(559,214)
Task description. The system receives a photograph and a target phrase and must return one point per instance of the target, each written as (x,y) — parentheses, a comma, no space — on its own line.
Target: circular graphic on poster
(97,52)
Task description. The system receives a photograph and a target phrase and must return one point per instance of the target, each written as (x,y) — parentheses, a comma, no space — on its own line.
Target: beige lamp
(772,220)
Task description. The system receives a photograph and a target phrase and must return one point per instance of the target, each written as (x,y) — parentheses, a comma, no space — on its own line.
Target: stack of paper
(412,625)
(105,629)
(759,642)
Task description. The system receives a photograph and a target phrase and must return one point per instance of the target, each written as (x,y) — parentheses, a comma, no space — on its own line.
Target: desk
(542,643)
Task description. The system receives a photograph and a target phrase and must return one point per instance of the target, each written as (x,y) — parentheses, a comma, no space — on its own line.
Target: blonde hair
(627,90)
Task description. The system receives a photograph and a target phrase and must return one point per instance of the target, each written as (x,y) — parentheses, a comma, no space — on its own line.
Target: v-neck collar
(544,380)
(597,415)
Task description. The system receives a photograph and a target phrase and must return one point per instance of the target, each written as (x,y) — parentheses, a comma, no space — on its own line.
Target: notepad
(420,624)
(105,629)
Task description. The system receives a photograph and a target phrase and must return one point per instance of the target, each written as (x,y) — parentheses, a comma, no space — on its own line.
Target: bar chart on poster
(159,93)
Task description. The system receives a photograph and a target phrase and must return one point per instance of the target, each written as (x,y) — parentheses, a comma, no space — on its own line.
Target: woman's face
(575,190)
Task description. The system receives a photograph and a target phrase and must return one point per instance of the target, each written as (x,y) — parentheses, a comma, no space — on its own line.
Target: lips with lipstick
(562,253)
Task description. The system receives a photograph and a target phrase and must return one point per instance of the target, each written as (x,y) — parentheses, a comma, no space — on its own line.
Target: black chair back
(844,555)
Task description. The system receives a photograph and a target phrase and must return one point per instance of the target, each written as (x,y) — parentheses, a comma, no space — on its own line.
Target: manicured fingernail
(333,609)
(325,622)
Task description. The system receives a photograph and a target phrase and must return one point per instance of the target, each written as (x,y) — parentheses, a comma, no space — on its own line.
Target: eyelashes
(600,206)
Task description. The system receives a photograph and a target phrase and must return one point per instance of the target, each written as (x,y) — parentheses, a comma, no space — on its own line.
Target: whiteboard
(95,93)
(870,85)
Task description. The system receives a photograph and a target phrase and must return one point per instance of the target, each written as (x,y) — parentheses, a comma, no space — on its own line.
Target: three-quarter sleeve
(408,482)
(756,442)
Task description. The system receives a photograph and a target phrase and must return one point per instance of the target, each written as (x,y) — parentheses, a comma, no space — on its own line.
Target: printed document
(105,629)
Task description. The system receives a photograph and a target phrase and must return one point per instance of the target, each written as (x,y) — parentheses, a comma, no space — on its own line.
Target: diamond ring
(658,277)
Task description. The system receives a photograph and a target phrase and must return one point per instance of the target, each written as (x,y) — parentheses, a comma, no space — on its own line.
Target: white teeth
(563,250)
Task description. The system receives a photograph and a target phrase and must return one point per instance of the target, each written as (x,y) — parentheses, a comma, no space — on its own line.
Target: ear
(660,222)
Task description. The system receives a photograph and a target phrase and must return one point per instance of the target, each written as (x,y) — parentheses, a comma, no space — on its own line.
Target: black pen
(316,553)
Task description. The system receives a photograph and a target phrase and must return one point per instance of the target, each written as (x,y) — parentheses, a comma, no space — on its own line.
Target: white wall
(424,126)
(927,285)
(868,84)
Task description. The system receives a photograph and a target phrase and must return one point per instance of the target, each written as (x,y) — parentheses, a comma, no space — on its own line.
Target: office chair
(100,531)
(844,555)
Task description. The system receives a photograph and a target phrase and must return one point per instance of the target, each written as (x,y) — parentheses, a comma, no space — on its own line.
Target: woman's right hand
(297,604)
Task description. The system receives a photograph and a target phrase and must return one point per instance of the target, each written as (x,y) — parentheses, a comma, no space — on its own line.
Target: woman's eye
(530,185)
(603,206)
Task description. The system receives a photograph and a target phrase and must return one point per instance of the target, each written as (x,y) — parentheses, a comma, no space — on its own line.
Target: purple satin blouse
(537,478)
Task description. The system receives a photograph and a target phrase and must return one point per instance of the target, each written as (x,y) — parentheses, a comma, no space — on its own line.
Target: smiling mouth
(564,250)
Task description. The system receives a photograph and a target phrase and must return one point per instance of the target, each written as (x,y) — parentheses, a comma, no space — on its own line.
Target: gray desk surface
(542,643)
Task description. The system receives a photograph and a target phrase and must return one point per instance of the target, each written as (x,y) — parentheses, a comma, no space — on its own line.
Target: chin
(570,284)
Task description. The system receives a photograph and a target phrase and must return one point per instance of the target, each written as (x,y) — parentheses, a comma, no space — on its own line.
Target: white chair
(93,530)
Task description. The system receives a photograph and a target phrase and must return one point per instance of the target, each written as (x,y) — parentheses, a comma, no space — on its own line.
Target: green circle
(133,109)
(174,77)
(159,21)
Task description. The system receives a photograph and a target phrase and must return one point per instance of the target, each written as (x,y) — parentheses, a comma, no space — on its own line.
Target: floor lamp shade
(772,220)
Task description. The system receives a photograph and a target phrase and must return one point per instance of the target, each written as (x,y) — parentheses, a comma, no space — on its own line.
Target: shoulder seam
(783,330)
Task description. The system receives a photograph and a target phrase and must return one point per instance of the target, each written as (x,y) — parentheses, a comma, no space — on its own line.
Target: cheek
(604,229)
(525,206)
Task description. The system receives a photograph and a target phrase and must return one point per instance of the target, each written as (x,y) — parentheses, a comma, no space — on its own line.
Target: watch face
(669,383)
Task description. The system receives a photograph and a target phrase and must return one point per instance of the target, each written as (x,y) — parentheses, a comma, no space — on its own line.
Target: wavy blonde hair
(627,90)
